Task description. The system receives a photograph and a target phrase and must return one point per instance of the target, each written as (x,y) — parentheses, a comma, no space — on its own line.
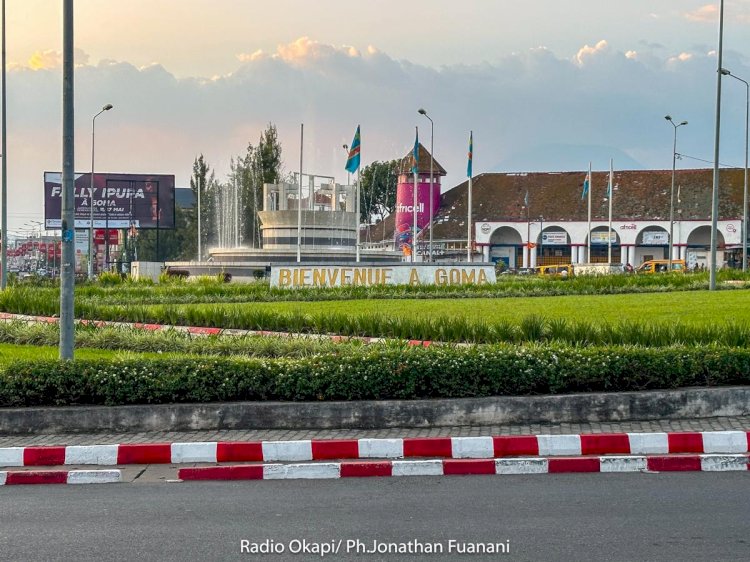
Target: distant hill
(566,158)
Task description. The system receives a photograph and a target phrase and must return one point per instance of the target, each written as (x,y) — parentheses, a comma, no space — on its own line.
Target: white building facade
(529,244)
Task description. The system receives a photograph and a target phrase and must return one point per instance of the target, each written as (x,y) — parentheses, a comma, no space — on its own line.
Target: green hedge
(378,373)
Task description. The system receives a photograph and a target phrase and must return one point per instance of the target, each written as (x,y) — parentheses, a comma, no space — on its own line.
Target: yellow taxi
(555,270)
(661,266)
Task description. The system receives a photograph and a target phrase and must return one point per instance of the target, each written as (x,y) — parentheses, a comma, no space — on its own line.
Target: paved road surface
(678,516)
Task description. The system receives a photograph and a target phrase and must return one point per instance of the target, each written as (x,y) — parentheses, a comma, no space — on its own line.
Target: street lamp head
(668,117)
(422,111)
(107,107)
(683,123)
(725,72)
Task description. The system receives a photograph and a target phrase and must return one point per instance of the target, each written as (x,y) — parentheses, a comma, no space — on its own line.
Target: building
(531,219)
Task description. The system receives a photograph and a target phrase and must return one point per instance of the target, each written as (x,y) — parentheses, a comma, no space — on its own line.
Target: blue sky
(544,84)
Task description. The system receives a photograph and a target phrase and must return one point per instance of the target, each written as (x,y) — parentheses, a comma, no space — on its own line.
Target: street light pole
(717,138)
(671,195)
(4,172)
(432,159)
(67,265)
(91,193)
(726,72)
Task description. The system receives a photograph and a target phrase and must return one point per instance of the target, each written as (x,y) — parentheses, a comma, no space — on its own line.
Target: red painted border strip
(205,331)
(685,442)
(668,464)
(573,465)
(364,469)
(37,477)
(469,466)
(605,444)
(239,451)
(512,446)
(43,456)
(335,449)
(150,453)
(249,472)
(428,447)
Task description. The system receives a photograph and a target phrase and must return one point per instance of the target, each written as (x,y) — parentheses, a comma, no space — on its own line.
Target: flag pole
(299,194)
(357,223)
(414,203)
(611,195)
(469,202)
(590,189)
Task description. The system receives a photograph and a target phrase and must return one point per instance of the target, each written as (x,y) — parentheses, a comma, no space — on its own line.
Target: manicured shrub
(373,373)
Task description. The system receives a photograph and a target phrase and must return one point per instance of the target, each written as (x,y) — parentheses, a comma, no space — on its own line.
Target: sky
(545,85)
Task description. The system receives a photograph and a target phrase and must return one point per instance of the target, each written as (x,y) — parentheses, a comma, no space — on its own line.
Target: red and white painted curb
(8,478)
(707,442)
(203,331)
(455,467)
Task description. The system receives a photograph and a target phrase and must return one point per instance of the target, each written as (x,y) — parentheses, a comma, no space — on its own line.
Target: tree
(261,164)
(378,190)
(173,243)
(203,184)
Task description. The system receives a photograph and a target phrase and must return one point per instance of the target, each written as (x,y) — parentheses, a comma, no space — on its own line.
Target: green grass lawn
(12,352)
(694,307)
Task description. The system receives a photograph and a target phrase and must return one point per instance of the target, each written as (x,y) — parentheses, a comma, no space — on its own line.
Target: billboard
(118,200)
(405,211)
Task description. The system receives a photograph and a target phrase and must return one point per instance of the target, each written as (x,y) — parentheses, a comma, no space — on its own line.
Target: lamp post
(671,194)
(3,168)
(91,193)
(432,159)
(717,139)
(726,72)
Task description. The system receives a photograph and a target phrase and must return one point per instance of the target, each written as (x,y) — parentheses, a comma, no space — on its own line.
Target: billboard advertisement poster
(118,200)
(405,211)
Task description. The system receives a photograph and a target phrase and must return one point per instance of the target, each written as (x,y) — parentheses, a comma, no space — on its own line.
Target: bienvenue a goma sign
(298,276)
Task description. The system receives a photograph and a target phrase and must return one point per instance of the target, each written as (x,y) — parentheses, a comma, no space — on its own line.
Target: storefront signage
(655,238)
(559,238)
(601,238)
(297,276)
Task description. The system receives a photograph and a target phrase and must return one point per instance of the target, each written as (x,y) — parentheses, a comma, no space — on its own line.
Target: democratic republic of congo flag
(471,155)
(352,163)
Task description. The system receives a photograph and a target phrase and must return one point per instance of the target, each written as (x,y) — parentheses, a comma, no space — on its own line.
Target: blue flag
(586,183)
(352,163)
(415,155)
(469,165)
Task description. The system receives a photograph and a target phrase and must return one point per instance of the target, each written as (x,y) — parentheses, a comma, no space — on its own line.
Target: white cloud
(709,12)
(587,53)
(598,96)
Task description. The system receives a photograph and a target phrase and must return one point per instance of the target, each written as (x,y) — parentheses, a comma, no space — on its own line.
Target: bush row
(372,373)
(532,328)
(41,300)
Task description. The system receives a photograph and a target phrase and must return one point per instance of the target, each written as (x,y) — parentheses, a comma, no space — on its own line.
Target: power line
(681,156)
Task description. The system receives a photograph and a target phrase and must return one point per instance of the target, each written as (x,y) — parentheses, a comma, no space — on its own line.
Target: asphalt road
(578,517)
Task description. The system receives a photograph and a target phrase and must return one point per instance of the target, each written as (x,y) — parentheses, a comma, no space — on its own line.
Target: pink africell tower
(404,225)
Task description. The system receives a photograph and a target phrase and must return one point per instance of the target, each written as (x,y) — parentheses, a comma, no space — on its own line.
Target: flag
(526,199)
(609,183)
(471,156)
(415,155)
(586,184)
(352,163)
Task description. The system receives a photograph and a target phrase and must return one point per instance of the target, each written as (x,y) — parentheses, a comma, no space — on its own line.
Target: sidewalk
(692,425)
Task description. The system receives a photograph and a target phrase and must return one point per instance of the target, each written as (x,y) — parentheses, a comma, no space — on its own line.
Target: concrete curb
(9,478)
(688,403)
(458,467)
(725,442)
